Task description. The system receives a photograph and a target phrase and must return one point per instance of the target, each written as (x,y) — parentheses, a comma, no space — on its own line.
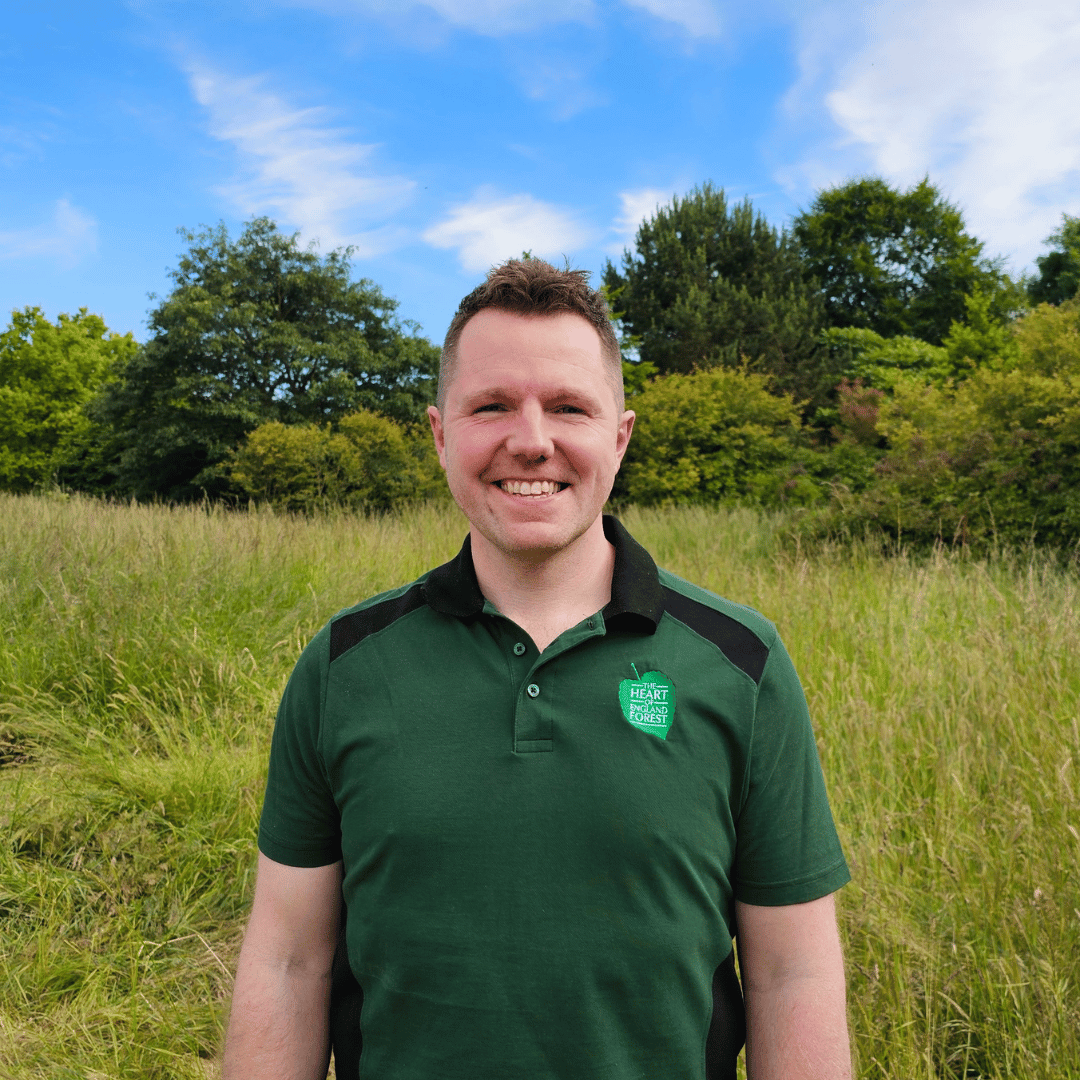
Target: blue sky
(440,136)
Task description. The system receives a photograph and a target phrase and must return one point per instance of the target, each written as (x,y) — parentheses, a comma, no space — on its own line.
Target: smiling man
(518,810)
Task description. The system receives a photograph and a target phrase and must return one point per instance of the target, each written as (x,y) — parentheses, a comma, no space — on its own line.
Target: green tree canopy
(711,285)
(1059,269)
(48,372)
(896,262)
(255,330)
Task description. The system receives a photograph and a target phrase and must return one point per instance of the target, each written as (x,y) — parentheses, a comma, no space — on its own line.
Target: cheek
(465,454)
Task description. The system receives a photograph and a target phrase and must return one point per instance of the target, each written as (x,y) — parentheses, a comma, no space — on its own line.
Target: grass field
(144,650)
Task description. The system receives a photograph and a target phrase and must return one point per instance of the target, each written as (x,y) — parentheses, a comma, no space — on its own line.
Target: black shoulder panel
(351,629)
(737,642)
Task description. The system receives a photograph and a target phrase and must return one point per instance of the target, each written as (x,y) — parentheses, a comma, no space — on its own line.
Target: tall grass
(145,649)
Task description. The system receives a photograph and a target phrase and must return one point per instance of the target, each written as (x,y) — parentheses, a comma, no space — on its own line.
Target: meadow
(144,650)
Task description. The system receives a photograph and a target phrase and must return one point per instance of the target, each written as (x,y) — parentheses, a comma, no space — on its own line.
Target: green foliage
(1048,339)
(48,372)
(857,353)
(896,262)
(981,340)
(256,329)
(993,459)
(1059,269)
(710,285)
(368,462)
(713,437)
(637,376)
(978,341)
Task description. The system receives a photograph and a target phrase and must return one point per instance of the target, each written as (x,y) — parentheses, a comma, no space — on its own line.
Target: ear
(622,436)
(435,419)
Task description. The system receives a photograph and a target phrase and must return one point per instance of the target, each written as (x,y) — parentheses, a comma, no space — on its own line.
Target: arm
(278,1026)
(793,983)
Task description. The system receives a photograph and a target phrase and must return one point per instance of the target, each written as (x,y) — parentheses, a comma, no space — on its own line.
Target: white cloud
(300,169)
(979,94)
(488,229)
(699,18)
(636,206)
(67,238)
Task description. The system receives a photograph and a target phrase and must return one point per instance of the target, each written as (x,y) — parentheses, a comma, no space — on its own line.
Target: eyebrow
(502,393)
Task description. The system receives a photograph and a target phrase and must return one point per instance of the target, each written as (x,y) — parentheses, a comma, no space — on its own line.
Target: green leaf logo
(648,702)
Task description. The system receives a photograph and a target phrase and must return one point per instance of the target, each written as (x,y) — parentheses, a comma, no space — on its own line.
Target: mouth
(531,488)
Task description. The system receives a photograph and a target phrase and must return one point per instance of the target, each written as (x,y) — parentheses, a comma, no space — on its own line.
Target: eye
(570,409)
(493,406)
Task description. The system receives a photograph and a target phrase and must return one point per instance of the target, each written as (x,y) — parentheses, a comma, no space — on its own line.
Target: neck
(547,594)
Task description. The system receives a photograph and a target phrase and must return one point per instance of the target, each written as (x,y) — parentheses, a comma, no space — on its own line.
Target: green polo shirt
(542,850)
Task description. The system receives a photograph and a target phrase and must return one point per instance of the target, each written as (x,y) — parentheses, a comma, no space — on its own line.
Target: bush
(715,436)
(1049,339)
(992,459)
(369,462)
(856,353)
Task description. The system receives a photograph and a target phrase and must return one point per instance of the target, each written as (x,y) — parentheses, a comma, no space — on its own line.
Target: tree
(1059,269)
(708,285)
(48,372)
(896,262)
(255,330)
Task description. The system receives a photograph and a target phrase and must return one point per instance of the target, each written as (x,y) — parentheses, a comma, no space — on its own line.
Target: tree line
(870,363)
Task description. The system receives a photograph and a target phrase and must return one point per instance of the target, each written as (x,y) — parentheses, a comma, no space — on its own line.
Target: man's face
(530,435)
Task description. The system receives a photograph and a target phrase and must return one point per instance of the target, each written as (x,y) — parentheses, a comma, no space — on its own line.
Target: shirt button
(519,649)
(532,690)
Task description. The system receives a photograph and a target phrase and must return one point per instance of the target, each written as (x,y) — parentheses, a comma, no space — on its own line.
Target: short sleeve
(300,824)
(787,850)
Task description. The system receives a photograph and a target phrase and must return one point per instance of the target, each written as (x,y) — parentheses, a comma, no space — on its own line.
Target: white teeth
(529,487)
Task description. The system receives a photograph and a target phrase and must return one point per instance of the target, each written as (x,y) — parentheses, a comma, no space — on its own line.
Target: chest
(615,760)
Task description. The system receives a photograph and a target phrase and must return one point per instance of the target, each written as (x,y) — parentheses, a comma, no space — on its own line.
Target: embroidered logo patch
(648,702)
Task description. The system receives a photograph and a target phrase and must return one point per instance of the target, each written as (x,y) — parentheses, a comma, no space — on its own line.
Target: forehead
(498,345)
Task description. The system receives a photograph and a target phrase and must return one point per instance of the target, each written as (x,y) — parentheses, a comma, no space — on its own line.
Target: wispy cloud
(299,168)
(562,83)
(980,94)
(490,228)
(67,238)
(635,207)
(699,18)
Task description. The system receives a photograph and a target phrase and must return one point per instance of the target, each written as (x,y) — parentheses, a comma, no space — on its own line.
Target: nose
(530,436)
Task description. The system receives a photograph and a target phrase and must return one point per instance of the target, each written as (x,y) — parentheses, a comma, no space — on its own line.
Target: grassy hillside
(145,649)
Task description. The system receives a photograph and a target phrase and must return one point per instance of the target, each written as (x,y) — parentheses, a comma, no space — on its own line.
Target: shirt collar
(637,600)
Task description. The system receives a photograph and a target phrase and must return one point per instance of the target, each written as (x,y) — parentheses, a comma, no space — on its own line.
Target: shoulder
(742,634)
(352,625)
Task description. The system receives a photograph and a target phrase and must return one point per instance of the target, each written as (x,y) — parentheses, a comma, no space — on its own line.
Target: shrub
(715,436)
(369,462)
(1049,339)
(994,458)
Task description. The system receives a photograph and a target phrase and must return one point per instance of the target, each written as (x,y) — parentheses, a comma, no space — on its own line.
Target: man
(548,781)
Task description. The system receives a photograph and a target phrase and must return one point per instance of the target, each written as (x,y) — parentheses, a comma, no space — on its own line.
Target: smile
(531,487)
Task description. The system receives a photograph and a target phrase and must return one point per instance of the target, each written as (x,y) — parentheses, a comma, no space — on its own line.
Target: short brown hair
(533,287)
